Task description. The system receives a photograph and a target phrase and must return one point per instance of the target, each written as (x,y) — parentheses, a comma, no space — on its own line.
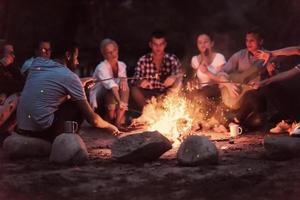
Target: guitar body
(252,74)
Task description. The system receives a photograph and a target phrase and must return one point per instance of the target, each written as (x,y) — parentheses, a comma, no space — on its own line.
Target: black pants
(284,100)
(253,104)
(68,111)
(11,80)
(141,95)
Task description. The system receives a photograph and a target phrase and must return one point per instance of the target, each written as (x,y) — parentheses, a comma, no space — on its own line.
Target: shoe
(295,130)
(281,127)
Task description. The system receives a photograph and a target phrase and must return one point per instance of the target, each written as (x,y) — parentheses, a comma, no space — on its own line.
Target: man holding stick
(156,72)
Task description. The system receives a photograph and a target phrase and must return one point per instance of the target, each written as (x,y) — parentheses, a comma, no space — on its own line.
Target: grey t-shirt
(241,61)
(48,84)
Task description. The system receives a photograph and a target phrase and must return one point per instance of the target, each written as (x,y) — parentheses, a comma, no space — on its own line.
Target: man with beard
(52,95)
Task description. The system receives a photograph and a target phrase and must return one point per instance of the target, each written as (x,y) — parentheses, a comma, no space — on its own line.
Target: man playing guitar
(243,65)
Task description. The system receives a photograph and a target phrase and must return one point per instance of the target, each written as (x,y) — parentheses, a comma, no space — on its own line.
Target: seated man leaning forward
(116,87)
(52,95)
(156,72)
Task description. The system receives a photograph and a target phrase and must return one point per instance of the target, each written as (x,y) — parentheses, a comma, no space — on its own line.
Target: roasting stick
(127,78)
(156,76)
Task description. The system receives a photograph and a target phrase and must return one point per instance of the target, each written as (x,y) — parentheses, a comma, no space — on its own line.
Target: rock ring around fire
(197,150)
(140,147)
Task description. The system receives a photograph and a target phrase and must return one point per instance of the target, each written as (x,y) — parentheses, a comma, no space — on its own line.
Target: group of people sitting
(51,93)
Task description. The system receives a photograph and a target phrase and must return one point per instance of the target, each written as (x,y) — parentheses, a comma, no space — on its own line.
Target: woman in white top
(208,62)
(116,87)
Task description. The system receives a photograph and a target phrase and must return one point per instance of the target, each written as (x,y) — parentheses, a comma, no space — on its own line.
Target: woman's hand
(203,68)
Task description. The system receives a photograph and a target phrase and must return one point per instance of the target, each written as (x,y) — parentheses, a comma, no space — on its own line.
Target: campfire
(175,116)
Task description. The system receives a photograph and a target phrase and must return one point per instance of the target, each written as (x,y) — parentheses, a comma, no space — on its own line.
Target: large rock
(197,150)
(282,147)
(68,148)
(140,147)
(18,146)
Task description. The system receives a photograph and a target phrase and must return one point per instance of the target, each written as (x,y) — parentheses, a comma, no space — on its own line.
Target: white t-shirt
(104,71)
(215,67)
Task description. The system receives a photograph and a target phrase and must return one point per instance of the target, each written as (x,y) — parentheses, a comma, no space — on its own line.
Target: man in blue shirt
(52,95)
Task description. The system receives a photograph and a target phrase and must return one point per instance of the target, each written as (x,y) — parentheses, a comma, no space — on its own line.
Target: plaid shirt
(146,69)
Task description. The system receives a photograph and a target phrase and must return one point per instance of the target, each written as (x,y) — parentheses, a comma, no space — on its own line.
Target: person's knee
(124,95)
(136,93)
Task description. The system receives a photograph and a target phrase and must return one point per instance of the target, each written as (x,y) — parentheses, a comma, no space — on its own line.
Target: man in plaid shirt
(156,72)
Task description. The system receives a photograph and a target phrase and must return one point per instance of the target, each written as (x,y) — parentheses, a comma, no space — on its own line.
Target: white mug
(70,127)
(235,130)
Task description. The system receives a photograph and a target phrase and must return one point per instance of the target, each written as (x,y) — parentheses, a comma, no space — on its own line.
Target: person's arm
(115,91)
(94,119)
(231,64)
(213,77)
(267,55)
(75,90)
(281,77)
(288,51)
(7,60)
(218,64)
(104,73)
(122,73)
(139,72)
(175,78)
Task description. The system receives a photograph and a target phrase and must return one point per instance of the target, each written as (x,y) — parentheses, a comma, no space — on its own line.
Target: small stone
(68,148)
(201,151)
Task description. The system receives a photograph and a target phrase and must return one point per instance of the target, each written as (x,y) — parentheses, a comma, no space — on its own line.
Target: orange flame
(176,116)
(169,116)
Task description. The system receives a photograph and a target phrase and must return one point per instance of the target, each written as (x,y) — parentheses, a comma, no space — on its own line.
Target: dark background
(130,22)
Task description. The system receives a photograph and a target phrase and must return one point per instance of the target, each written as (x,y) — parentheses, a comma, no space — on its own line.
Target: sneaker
(295,130)
(281,127)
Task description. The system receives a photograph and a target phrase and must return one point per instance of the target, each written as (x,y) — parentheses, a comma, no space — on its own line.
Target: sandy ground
(243,172)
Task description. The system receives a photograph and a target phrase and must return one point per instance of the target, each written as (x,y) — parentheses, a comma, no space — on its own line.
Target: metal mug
(70,127)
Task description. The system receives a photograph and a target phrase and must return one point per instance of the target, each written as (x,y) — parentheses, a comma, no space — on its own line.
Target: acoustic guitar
(242,80)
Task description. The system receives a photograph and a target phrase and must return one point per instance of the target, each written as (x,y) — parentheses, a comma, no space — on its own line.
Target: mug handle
(75,126)
(240,130)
